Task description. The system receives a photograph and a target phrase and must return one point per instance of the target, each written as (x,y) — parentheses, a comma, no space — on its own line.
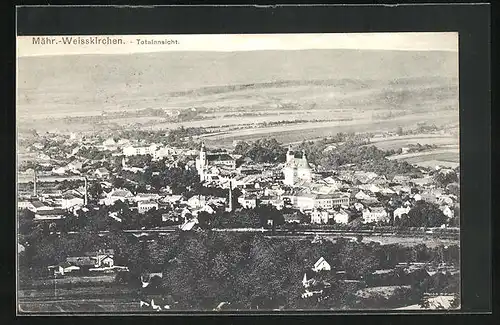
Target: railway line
(301,232)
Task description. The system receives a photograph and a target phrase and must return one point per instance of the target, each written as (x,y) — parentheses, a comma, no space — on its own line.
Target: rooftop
(219,157)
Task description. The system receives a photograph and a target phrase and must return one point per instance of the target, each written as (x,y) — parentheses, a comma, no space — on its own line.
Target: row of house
(102,261)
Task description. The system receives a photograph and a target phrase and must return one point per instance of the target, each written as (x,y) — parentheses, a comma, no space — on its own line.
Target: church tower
(203,155)
(303,169)
(289,171)
(201,162)
(289,154)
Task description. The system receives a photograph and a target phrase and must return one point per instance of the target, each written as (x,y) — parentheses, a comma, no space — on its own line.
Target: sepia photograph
(238,172)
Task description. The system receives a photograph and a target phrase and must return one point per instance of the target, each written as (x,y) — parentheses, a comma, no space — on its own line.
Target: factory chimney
(85,195)
(35,179)
(230,196)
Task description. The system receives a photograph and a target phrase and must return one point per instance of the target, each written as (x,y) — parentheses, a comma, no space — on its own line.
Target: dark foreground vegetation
(251,271)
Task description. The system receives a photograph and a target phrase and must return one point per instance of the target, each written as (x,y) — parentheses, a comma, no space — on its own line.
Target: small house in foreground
(321,265)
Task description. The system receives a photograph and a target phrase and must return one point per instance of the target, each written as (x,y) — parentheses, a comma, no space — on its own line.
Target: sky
(240,42)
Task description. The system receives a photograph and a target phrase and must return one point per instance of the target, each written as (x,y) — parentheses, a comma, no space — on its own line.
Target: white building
(189,224)
(374,215)
(305,201)
(74,166)
(449,213)
(321,265)
(341,217)
(358,206)
(417,197)
(117,195)
(363,196)
(145,206)
(206,208)
(146,197)
(59,170)
(70,200)
(320,216)
(163,152)
(248,201)
(401,211)
(308,201)
(25,205)
(101,172)
(197,201)
(333,181)
(109,142)
(37,206)
(134,151)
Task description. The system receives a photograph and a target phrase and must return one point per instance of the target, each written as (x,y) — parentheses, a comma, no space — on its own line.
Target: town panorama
(269,180)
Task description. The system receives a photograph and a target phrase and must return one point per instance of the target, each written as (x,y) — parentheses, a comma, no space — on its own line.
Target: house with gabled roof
(401,211)
(70,199)
(189,224)
(25,204)
(321,265)
(342,216)
(401,179)
(146,197)
(363,196)
(39,206)
(293,217)
(102,172)
(364,177)
(196,201)
(320,216)
(145,206)
(374,214)
(117,194)
(52,214)
(248,201)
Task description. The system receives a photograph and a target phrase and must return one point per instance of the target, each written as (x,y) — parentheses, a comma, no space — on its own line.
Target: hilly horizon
(99,82)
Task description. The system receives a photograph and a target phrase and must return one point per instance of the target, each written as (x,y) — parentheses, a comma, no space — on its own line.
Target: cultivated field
(313,130)
(96,298)
(446,153)
(448,157)
(394,143)
(80,306)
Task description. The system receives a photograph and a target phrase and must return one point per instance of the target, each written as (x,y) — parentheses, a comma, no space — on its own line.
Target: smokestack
(34,183)
(85,198)
(230,196)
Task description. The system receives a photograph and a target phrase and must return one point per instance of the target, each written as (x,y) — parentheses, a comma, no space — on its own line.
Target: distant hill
(83,82)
